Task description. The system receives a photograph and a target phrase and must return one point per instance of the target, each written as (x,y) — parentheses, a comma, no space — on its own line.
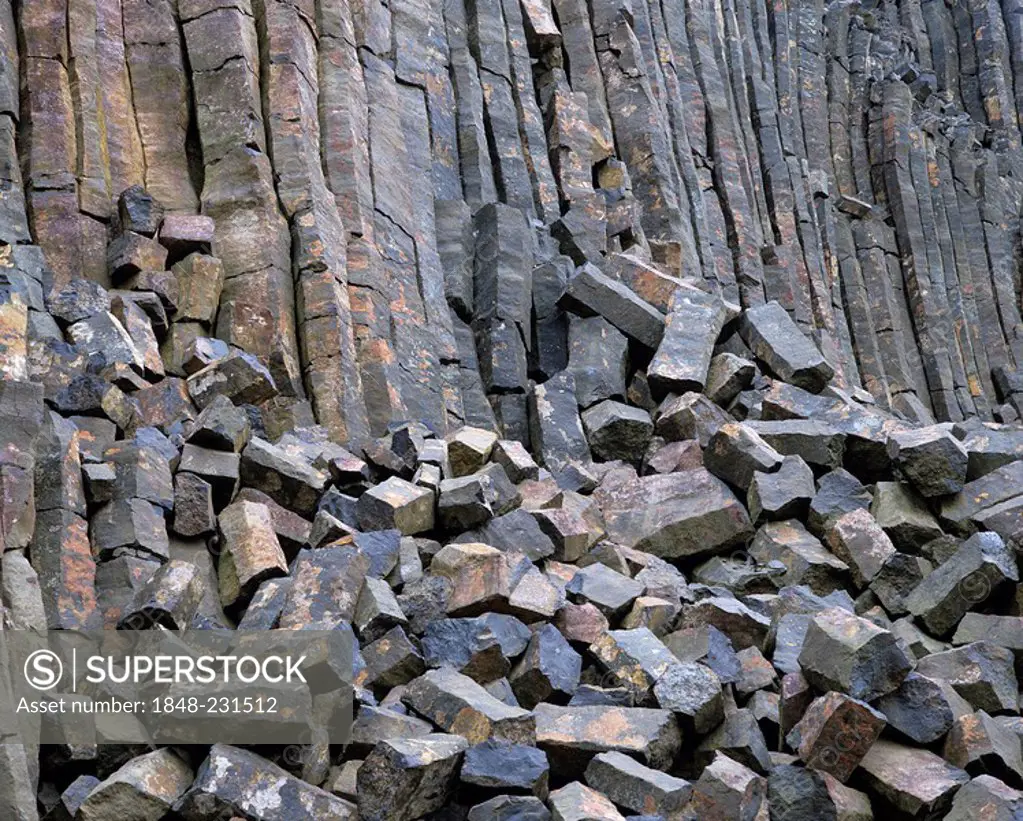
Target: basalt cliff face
(634,384)
(400,191)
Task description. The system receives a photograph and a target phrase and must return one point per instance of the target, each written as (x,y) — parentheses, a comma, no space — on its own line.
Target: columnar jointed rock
(693,324)
(251,553)
(777,342)
(741,278)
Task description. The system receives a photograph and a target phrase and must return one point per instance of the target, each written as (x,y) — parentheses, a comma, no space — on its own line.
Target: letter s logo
(43,669)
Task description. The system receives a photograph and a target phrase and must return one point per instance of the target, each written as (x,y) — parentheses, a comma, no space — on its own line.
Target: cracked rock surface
(639,382)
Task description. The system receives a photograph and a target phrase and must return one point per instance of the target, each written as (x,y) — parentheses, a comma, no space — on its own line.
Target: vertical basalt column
(903,140)
(48,142)
(161,92)
(318,253)
(13,219)
(744,238)
(257,305)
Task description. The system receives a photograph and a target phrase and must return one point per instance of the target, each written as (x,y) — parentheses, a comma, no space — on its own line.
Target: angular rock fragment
(571,736)
(819,444)
(399,505)
(240,377)
(548,670)
(727,377)
(289,481)
(982,673)
(200,279)
(631,785)
(598,584)
(325,588)
(963,582)
(795,793)
(838,493)
(497,766)
(693,692)
(784,494)
(904,516)
(689,416)
(676,515)
(851,655)
(980,745)
(555,429)
(510,808)
(405,779)
(919,709)
(171,598)
(183,234)
(779,344)
(62,558)
(231,778)
(858,540)
(617,431)
(692,326)
(577,802)
(985,794)
(251,552)
(909,780)
(726,790)
(805,558)
(469,449)
(459,705)
(144,789)
(597,359)
(835,733)
(591,293)
(133,253)
(931,459)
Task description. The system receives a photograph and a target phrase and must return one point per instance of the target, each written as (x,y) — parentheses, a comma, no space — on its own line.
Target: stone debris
(638,385)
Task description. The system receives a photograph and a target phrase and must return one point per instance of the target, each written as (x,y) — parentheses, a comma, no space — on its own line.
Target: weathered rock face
(639,383)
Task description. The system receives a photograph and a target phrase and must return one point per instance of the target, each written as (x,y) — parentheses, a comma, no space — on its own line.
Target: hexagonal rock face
(910,780)
(144,789)
(232,778)
(676,515)
(407,778)
(932,459)
(852,655)
(399,505)
(835,733)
